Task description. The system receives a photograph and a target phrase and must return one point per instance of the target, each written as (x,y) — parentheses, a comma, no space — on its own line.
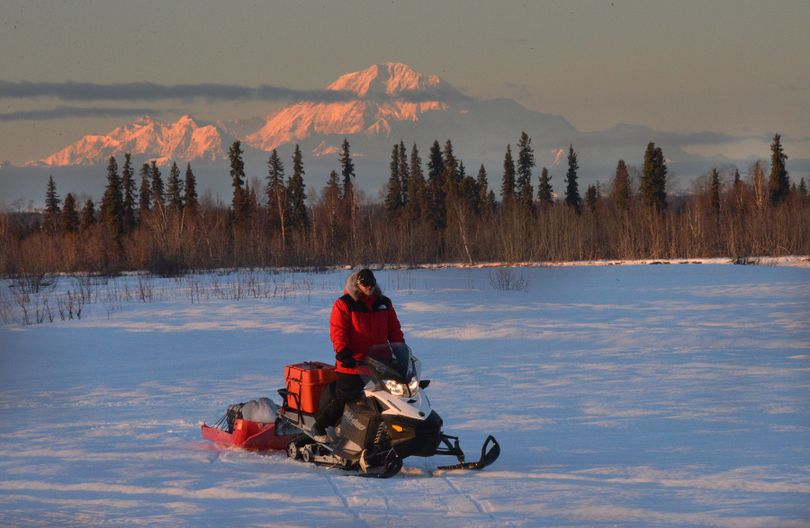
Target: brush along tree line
(431,212)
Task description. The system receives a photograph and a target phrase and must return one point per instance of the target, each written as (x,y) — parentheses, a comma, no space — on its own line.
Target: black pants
(348,388)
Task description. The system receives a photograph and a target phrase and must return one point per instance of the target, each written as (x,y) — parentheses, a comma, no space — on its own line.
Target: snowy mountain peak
(144,120)
(374,111)
(183,140)
(390,78)
(558,155)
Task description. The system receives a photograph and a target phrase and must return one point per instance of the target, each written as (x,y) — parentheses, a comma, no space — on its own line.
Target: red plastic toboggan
(305,384)
(254,436)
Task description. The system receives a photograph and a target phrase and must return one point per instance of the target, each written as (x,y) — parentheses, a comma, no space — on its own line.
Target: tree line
(432,211)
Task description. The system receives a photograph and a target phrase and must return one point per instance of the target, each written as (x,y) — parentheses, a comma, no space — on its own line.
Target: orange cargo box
(305,384)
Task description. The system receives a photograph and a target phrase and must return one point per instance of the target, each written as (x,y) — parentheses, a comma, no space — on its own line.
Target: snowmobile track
(345,502)
(474,500)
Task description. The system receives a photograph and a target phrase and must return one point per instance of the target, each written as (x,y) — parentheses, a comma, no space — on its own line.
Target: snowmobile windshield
(391,361)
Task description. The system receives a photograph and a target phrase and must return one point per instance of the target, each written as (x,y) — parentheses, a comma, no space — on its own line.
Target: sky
(735,67)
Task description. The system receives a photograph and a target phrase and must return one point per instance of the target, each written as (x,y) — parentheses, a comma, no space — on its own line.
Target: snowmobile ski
(488,456)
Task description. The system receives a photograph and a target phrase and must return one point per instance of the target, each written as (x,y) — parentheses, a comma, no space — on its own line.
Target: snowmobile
(374,435)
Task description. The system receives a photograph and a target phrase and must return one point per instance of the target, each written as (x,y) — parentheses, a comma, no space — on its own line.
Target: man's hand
(346,359)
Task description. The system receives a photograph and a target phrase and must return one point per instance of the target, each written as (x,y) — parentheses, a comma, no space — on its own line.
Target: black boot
(318,433)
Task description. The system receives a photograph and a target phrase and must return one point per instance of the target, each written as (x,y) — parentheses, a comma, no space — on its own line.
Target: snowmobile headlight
(397,389)
(413,385)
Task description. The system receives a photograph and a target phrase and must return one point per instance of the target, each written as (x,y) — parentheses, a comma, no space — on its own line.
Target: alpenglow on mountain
(373,109)
(183,140)
(385,94)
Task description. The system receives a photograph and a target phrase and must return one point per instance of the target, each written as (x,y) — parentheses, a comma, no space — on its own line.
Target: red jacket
(358,322)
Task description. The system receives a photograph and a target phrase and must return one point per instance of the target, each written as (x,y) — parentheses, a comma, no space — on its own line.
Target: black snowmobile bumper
(414,437)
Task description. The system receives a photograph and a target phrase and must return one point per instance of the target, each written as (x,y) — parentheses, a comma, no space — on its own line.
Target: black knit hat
(366,278)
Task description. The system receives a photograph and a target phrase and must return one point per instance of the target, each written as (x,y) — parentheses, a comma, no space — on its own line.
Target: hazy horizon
(730,67)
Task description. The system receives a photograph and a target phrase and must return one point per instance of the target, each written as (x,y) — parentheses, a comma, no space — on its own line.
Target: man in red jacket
(361,318)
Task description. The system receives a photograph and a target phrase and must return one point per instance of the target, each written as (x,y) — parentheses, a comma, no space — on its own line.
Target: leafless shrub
(79,304)
(504,280)
(22,300)
(86,286)
(145,290)
(194,290)
(31,282)
(42,310)
(6,306)
(69,305)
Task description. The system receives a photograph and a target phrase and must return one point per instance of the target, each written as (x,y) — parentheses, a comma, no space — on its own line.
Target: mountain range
(377,107)
(387,102)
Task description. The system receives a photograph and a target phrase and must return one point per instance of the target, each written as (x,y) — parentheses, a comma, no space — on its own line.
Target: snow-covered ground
(669,395)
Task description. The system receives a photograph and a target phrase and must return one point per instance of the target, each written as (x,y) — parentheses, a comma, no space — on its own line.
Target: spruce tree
(404,173)
(620,190)
(350,206)
(435,188)
(239,202)
(190,198)
(714,193)
(778,182)
(525,164)
(112,203)
(416,205)
(739,191)
(508,180)
(393,194)
(802,188)
(332,189)
(88,215)
(158,196)
(145,191)
(545,194)
(296,192)
(347,172)
(128,189)
(572,198)
(592,198)
(483,185)
(646,188)
(654,179)
(331,198)
(469,193)
(276,193)
(491,204)
(660,181)
(174,191)
(70,216)
(452,175)
(251,205)
(52,210)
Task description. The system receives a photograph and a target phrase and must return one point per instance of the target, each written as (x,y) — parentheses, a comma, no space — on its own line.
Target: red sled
(254,436)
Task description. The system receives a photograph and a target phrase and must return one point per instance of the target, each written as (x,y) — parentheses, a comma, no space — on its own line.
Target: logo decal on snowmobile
(347,415)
